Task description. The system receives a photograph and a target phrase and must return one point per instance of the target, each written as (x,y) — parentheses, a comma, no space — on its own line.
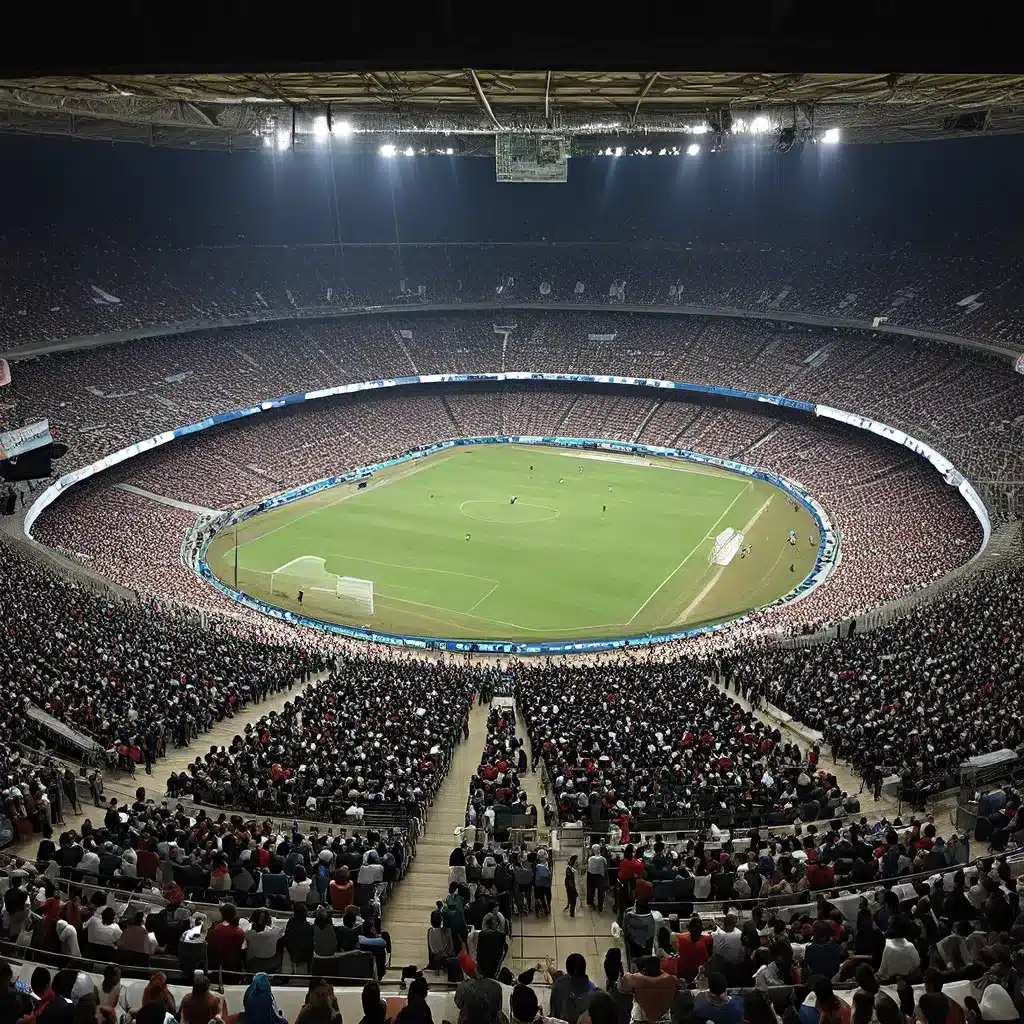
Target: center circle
(489,511)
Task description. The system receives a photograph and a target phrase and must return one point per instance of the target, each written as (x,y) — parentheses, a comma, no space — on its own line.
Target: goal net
(309,574)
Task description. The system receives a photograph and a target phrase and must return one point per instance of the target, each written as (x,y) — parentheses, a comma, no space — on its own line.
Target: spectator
(571,992)
(225,941)
(716,1005)
(320,1006)
(200,1005)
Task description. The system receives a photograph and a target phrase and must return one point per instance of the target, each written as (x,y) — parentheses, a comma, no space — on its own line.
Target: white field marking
(636,460)
(423,464)
(500,522)
(695,603)
(484,598)
(414,568)
(695,549)
(498,622)
(778,558)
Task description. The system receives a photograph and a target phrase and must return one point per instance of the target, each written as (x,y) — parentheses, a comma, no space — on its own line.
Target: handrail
(850,889)
(85,964)
(875,883)
(644,828)
(308,825)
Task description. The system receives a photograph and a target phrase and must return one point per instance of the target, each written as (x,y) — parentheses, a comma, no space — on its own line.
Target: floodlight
(388,149)
(618,151)
(267,141)
(409,151)
(831,136)
(284,138)
(342,128)
(738,125)
(760,124)
(699,129)
(692,149)
(320,131)
(450,151)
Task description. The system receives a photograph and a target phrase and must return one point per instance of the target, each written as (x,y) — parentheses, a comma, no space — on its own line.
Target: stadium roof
(247,111)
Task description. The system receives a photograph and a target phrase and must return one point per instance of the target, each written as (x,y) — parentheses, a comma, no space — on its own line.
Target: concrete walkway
(172,502)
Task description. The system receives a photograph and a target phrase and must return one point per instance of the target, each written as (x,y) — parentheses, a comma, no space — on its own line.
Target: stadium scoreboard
(537,158)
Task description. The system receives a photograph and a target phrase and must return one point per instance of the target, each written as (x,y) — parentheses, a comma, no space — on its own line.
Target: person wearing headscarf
(997,1006)
(68,938)
(157,991)
(259,1005)
(129,864)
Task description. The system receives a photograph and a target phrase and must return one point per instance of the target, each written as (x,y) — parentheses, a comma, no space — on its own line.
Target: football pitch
(594,546)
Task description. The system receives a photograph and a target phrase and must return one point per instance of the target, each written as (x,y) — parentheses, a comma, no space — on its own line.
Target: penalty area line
(695,549)
(484,598)
(710,585)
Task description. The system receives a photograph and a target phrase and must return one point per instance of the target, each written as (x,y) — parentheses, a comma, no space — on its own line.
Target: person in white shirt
(90,862)
(298,891)
(68,938)
(597,877)
(727,941)
(900,957)
(103,929)
(371,872)
(701,886)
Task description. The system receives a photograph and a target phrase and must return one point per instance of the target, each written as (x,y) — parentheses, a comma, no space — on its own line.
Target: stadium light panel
(692,149)
(831,136)
(342,128)
(388,149)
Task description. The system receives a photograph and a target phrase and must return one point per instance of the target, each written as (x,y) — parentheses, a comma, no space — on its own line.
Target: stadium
(445,555)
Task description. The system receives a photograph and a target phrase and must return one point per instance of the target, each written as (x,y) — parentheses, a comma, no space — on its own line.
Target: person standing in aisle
(572,892)
(597,878)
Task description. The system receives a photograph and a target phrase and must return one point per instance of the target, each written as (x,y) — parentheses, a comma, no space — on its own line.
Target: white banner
(24,439)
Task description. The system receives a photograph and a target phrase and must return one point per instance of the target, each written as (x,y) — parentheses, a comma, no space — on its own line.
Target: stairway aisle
(407,914)
(534,938)
(177,760)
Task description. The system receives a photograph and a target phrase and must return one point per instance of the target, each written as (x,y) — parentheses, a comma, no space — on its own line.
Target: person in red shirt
(225,940)
(631,866)
(624,821)
(341,890)
(693,950)
(819,876)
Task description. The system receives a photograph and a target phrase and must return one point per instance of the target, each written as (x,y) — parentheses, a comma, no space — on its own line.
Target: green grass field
(622,548)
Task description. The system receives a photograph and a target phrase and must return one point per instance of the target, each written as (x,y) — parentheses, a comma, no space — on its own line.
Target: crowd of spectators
(647,740)
(375,734)
(151,872)
(130,678)
(123,673)
(93,290)
(967,405)
(917,698)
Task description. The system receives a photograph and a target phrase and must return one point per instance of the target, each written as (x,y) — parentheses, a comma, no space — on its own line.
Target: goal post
(359,590)
(309,574)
